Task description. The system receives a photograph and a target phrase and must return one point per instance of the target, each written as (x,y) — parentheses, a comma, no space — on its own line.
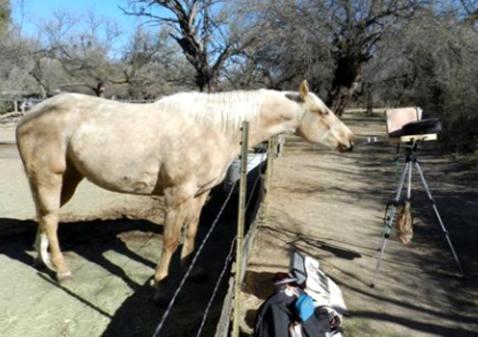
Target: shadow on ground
(138,315)
(450,184)
(88,239)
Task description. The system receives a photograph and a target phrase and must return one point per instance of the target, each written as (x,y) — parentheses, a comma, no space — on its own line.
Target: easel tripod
(410,161)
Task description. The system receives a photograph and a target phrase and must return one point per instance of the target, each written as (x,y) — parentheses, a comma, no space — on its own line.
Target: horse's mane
(220,110)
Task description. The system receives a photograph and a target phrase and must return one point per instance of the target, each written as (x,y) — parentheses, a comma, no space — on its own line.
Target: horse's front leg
(175,217)
(191,224)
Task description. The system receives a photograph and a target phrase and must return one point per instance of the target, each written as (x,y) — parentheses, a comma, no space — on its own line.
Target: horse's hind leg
(46,191)
(42,148)
(70,180)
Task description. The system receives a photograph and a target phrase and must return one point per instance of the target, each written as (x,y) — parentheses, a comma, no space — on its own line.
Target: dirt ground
(331,206)
(327,204)
(112,243)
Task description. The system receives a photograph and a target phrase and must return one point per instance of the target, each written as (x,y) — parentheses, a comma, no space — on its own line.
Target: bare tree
(37,71)
(286,51)
(432,62)
(200,28)
(470,8)
(15,63)
(74,54)
(329,42)
(84,55)
(356,28)
(150,65)
(4,15)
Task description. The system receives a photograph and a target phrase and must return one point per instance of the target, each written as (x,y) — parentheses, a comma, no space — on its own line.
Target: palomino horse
(179,147)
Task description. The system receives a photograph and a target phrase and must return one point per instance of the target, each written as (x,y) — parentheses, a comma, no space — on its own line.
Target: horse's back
(132,148)
(59,117)
(75,130)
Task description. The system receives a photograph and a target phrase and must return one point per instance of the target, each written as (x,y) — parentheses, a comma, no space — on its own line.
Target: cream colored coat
(179,147)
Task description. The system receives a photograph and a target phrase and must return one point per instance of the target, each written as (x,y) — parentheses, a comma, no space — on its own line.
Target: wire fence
(223,325)
(227,261)
(191,266)
(216,287)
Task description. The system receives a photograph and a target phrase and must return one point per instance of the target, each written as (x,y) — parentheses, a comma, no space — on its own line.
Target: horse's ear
(304,89)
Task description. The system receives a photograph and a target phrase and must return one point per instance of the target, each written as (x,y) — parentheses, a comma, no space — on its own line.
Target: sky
(30,14)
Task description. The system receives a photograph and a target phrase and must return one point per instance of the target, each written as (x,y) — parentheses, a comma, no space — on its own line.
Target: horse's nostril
(345,148)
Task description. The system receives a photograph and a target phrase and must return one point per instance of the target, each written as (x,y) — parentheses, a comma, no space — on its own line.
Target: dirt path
(331,206)
(327,204)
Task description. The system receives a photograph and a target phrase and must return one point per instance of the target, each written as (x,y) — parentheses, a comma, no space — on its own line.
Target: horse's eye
(321,112)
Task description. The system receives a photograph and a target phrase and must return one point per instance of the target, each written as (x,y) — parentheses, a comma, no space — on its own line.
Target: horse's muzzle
(345,148)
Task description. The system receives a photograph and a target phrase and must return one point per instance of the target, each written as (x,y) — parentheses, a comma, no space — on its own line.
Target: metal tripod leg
(409,186)
(445,231)
(389,224)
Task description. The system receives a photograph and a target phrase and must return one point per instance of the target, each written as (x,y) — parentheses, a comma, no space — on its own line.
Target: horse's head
(319,124)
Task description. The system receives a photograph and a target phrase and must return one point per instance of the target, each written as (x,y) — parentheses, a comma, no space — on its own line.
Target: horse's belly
(125,177)
(127,183)
(127,167)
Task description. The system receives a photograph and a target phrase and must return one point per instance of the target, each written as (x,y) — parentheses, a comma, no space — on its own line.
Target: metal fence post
(240,227)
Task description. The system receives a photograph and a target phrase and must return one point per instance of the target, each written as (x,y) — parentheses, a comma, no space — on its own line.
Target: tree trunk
(345,82)
(43,90)
(204,78)
(100,89)
(368,92)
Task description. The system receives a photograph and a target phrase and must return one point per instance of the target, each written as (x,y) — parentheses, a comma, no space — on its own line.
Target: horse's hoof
(161,291)
(63,276)
(155,283)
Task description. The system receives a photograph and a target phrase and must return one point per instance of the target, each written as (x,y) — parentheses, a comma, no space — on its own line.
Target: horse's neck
(278,115)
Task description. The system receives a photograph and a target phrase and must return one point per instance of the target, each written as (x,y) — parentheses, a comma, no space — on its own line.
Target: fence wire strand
(193,262)
(229,255)
(216,287)
(231,250)
(198,252)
